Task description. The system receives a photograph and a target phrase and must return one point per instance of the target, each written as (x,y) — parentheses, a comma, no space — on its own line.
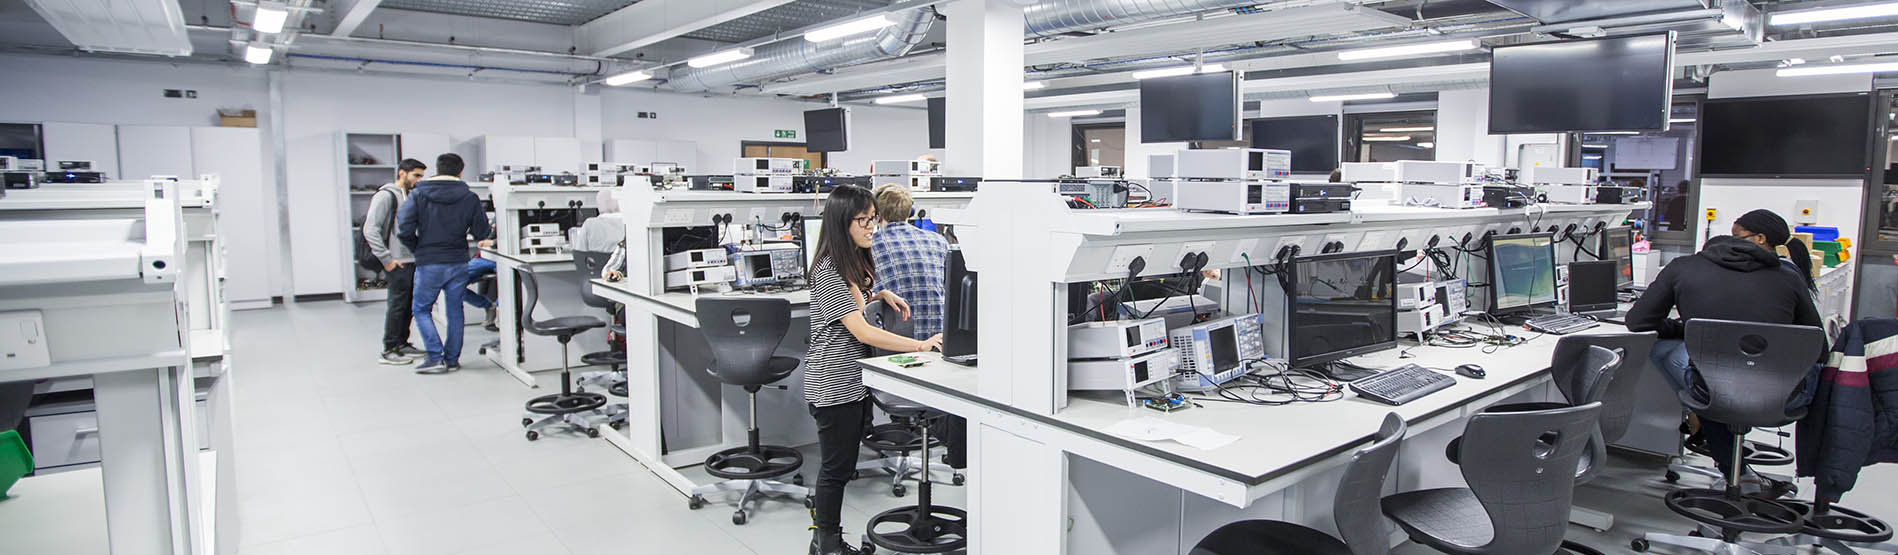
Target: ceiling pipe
(794,57)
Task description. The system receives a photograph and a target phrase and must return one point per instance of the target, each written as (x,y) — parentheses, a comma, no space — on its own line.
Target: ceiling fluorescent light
(257,53)
(717,58)
(1592,157)
(1807,71)
(1177,71)
(898,98)
(1887,9)
(1594,146)
(1680,120)
(1074,113)
(1612,133)
(1427,144)
(1359,96)
(1396,139)
(1404,129)
(269,17)
(1034,85)
(848,28)
(1410,50)
(627,78)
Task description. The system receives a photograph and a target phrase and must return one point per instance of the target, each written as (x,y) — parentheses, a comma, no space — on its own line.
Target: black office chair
(1520,467)
(1354,509)
(568,407)
(895,441)
(587,266)
(924,527)
(1745,372)
(744,334)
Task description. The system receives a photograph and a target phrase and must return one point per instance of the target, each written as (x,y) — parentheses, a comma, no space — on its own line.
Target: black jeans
(840,430)
(395,324)
(954,432)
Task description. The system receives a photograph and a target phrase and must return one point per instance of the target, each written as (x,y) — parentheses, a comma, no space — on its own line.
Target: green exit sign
(785,134)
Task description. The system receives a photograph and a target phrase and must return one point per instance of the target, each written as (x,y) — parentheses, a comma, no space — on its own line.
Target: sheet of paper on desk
(1154,429)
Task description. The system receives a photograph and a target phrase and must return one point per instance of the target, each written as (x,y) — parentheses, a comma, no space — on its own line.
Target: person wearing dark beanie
(1733,277)
(1766,229)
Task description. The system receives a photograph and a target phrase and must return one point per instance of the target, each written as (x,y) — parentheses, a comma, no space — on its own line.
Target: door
(813,160)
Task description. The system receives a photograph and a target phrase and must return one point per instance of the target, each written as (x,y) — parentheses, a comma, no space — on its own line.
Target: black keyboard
(1561,324)
(1401,385)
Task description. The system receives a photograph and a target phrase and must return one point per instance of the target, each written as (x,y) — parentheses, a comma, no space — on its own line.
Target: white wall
(1047,144)
(1463,129)
(720,124)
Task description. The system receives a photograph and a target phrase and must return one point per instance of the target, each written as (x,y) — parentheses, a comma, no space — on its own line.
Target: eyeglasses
(864,221)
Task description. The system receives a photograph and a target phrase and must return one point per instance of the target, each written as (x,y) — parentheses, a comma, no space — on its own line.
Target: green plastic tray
(15,460)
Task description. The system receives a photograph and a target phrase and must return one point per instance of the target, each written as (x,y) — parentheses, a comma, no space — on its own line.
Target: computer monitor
(1521,272)
(1617,244)
(1591,286)
(1341,305)
(958,309)
(813,228)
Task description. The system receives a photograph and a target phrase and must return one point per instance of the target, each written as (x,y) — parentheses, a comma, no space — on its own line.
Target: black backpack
(366,258)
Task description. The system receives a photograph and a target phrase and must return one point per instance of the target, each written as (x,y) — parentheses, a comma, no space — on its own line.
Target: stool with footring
(614,377)
(896,442)
(743,334)
(568,407)
(924,527)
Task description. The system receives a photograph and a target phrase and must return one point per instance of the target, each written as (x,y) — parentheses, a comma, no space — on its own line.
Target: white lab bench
(521,353)
(112,281)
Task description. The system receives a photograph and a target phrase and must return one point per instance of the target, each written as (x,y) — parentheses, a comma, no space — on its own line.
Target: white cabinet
(148,150)
(246,207)
(496,151)
(557,154)
(95,142)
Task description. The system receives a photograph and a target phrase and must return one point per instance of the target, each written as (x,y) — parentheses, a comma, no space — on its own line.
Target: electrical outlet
(1375,241)
(1288,241)
(678,216)
(1197,247)
(1245,248)
(1124,256)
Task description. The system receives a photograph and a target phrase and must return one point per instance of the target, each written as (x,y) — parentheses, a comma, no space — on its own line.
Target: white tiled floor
(340,455)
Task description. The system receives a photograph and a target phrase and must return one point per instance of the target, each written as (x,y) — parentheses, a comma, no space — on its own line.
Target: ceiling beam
(350,15)
(651,21)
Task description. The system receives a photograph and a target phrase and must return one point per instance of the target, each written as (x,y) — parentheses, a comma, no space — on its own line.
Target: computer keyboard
(1561,324)
(1401,385)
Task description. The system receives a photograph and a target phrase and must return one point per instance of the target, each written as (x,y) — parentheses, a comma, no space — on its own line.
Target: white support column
(145,424)
(984,89)
(1017,493)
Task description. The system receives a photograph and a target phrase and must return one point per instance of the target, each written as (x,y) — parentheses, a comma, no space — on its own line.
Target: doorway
(760,149)
(1099,145)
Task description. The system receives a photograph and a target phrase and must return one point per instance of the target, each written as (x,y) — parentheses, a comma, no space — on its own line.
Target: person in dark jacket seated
(1734,277)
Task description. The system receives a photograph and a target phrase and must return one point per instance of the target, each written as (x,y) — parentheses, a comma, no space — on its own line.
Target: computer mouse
(1472,371)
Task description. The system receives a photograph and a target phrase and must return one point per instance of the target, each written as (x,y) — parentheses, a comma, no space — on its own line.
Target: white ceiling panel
(132,26)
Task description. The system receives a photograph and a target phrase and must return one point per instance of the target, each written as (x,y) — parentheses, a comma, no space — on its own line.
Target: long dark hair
(834,242)
(1802,259)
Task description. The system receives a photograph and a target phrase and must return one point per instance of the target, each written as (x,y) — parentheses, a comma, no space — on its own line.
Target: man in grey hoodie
(398,264)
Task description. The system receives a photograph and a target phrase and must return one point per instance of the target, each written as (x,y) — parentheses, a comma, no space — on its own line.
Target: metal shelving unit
(368,161)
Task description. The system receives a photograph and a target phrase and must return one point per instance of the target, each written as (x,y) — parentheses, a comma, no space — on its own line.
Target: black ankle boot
(831,543)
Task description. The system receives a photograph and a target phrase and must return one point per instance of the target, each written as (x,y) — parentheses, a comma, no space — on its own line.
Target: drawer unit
(68,435)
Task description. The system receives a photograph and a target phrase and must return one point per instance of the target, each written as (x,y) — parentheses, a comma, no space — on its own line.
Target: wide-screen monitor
(1609,84)
(1313,140)
(1342,305)
(1197,107)
(1786,136)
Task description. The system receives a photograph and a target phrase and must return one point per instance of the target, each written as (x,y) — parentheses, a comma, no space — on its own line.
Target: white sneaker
(392,358)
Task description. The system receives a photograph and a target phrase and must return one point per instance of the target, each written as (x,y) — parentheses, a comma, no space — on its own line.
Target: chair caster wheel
(696,502)
(797,479)
(810,502)
(525,422)
(1639,545)
(958,479)
(593,433)
(739,518)
(1671,477)
(532,435)
(868,548)
(899,490)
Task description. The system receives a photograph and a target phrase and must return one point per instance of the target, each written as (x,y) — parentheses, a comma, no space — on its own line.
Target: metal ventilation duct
(797,56)
(1054,17)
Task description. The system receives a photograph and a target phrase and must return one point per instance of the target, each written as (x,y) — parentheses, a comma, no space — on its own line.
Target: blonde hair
(893,202)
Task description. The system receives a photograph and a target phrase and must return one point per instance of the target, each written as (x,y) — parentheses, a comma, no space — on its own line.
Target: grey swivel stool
(571,408)
(895,442)
(588,266)
(1361,527)
(744,334)
(1520,467)
(1747,371)
(925,527)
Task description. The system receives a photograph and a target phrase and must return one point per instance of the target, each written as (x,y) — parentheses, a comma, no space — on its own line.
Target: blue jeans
(450,281)
(1670,358)
(478,267)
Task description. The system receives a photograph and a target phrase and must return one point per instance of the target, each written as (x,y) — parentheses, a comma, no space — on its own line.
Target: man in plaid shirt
(909,260)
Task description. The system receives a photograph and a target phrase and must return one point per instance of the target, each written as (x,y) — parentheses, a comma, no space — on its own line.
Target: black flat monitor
(1341,305)
(1607,84)
(1197,107)
(938,122)
(827,130)
(1522,272)
(1617,244)
(958,309)
(1817,135)
(1313,140)
(1591,286)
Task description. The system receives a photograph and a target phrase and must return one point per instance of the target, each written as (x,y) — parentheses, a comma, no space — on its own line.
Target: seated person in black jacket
(1735,277)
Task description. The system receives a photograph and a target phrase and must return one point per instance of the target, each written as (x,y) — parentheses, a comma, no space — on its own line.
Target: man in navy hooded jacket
(435,224)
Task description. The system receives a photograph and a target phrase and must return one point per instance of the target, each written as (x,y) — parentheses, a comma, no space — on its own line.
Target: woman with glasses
(841,281)
(1734,277)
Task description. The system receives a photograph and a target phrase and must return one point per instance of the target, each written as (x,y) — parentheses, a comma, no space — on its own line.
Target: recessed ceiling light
(1388,139)
(1410,50)
(1033,85)
(848,28)
(894,99)
(269,17)
(717,58)
(1359,96)
(1074,113)
(1427,144)
(1178,70)
(1822,15)
(627,78)
(257,53)
(1807,71)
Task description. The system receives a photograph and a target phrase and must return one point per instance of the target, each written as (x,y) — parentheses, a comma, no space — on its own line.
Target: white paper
(1153,429)
(1205,439)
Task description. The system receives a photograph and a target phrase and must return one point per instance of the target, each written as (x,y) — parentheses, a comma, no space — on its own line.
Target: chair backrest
(1521,466)
(885,316)
(1582,372)
(743,332)
(1356,507)
(1750,369)
(1617,402)
(588,265)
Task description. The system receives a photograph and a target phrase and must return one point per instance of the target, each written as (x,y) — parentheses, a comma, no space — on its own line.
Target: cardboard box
(237,118)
